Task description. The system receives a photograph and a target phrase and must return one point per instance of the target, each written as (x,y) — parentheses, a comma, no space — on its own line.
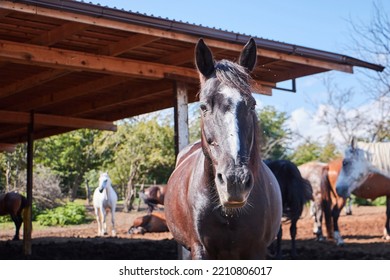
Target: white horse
(104,197)
(366,173)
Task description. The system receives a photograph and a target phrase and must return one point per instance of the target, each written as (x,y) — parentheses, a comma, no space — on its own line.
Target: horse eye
(345,162)
(203,107)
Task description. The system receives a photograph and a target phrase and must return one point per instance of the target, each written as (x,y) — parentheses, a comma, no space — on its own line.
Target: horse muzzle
(342,190)
(234,187)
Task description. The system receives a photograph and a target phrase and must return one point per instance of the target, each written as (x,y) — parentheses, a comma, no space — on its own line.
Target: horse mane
(378,154)
(233,75)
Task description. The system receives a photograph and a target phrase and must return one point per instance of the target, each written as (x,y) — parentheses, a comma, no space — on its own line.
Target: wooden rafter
(5,147)
(78,61)
(52,120)
(125,26)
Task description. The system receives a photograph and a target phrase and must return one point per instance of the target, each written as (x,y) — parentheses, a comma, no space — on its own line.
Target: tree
(70,155)
(314,151)
(143,151)
(275,134)
(371,41)
(11,165)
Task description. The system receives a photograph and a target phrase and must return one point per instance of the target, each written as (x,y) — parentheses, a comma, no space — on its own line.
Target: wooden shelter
(66,65)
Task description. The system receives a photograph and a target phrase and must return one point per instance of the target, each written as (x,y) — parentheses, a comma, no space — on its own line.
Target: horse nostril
(220,178)
(248,181)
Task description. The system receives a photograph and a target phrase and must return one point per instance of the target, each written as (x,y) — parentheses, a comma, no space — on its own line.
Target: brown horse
(153,196)
(296,191)
(366,173)
(13,203)
(323,177)
(154,222)
(222,201)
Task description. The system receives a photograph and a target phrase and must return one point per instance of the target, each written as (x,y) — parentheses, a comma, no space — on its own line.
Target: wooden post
(181,116)
(181,133)
(27,219)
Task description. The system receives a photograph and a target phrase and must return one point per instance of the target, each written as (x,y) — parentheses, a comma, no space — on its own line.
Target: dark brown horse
(13,203)
(222,201)
(296,191)
(153,196)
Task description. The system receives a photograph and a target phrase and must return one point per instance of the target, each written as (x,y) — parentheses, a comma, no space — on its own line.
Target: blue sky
(323,25)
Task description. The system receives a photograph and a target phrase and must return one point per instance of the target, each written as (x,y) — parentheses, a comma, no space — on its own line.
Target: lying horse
(296,191)
(154,222)
(13,203)
(153,196)
(365,172)
(222,201)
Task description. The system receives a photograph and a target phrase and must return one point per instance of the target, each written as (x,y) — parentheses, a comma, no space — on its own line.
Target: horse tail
(326,200)
(301,190)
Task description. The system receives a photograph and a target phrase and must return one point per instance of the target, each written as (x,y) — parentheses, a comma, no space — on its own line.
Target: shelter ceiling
(81,65)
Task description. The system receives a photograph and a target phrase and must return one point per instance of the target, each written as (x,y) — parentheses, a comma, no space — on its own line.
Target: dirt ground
(362,234)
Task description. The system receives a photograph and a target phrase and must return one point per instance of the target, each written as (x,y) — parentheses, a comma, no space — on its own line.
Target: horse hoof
(320,238)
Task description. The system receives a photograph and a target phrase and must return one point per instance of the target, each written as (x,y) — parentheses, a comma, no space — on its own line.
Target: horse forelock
(233,75)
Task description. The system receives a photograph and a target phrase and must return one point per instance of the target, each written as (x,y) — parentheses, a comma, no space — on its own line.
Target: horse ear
(353,143)
(248,55)
(204,59)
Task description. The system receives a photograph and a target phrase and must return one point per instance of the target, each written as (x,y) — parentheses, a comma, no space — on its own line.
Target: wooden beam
(52,120)
(64,95)
(136,28)
(5,147)
(58,34)
(78,61)
(127,44)
(31,81)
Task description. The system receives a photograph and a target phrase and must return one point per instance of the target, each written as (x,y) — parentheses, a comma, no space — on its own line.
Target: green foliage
(380,201)
(70,214)
(312,150)
(143,147)
(70,155)
(275,134)
(35,212)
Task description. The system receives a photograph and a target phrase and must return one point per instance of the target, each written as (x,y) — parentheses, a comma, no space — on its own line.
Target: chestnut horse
(322,177)
(296,191)
(153,196)
(365,172)
(222,201)
(13,203)
(154,222)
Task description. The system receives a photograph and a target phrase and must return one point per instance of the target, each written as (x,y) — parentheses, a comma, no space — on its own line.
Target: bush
(69,214)
(380,201)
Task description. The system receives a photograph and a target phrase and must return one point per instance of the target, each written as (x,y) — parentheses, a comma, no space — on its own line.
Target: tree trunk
(130,193)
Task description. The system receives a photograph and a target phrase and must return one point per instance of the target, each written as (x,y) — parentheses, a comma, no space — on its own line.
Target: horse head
(104,179)
(354,171)
(228,122)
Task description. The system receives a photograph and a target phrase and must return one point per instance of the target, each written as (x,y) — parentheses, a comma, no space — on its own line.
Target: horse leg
(113,231)
(293,234)
(317,214)
(17,219)
(279,243)
(104,222)
(336,233)
(348,206)
(99,223)
(387,224)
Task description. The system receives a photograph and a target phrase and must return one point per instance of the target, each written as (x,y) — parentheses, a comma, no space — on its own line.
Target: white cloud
(307,123)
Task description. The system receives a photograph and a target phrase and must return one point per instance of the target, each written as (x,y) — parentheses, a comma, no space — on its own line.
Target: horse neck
(380,156)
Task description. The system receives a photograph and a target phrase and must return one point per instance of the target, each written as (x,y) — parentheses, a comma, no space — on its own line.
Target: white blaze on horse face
(355,171)
(231,122)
